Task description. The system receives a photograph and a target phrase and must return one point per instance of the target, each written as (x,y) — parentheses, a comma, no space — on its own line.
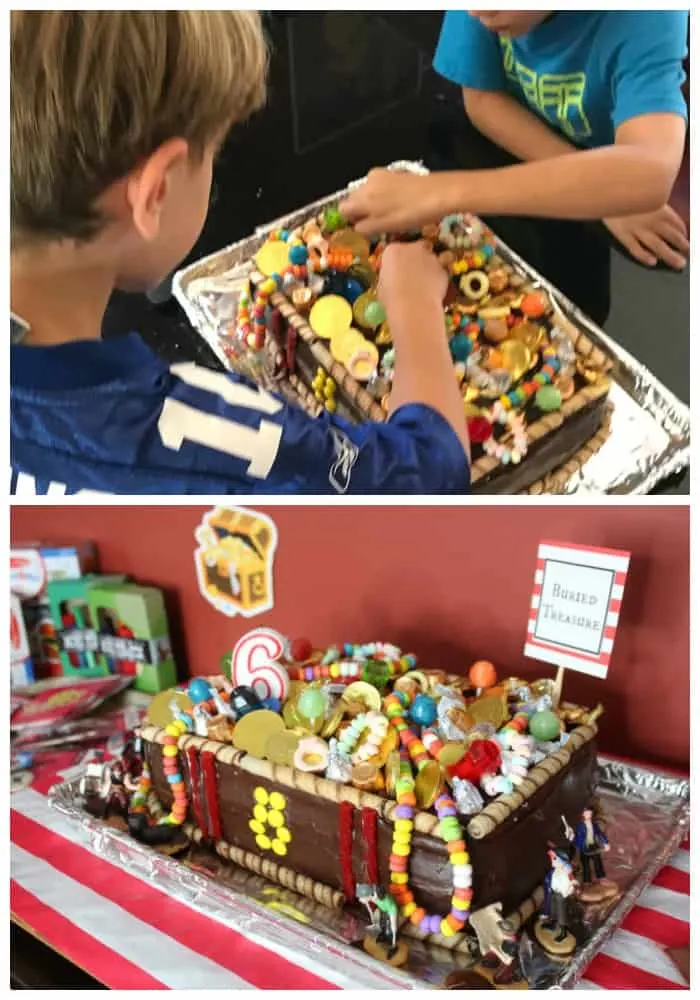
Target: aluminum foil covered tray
(645,440)
(647,817)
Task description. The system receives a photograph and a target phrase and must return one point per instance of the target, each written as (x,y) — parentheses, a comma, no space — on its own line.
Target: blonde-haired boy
(115,122)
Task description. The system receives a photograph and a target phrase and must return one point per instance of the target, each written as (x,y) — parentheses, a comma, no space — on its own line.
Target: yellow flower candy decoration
(268,821)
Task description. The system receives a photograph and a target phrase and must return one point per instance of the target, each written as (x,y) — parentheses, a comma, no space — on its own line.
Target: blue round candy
(273,705)
(353,290)
(460,347)
(199,690)
(298,254)
(423,710)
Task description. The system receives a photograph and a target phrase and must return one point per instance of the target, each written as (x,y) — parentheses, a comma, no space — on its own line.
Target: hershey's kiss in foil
(467,797)
(339,767)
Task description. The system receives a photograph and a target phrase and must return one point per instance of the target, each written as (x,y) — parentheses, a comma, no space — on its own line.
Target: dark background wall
(452,584)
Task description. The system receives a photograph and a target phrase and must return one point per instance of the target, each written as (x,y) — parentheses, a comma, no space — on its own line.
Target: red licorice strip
(210,793)
(193,767)
(347,817)
(369,838)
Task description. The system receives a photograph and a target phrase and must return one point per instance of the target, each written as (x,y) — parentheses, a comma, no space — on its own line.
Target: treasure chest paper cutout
(235,561)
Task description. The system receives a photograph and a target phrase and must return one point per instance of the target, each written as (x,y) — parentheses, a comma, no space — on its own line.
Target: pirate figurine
(381,941)
(499,947)
(552,930)
(591,843)
(117,796)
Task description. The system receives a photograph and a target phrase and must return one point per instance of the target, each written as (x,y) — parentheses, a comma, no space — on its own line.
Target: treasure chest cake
(535,387)
(352,775)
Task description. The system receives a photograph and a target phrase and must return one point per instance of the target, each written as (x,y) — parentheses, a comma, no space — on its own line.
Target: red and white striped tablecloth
(131,935)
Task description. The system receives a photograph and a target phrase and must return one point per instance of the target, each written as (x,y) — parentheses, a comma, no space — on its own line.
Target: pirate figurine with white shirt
(591,843)
(552,929)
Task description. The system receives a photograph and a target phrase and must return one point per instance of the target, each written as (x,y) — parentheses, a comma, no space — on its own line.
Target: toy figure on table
(591,843)
(552,930)
(381,941)
(499,946)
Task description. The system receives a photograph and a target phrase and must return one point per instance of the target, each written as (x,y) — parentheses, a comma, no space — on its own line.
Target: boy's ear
(148,186)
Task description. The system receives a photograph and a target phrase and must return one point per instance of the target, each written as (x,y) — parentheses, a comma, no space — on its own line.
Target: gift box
(132,634)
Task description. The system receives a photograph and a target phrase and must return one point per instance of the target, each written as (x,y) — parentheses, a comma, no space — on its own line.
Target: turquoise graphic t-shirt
(584,72)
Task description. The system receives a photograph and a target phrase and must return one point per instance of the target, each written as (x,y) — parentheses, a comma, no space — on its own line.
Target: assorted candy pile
(366,715)
(513,363)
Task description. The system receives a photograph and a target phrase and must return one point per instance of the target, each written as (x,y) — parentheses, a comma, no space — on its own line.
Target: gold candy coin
(360,305)
(159,712)
(365,693)
(350,239)
(254,730)
(429,781)
(333,721)
(451,754)
(532,336)
(345,343)
(491,709)
(391,771)
(290,715)
(281,746)
(517,357)
(384,336)
(329,315)
(272,257)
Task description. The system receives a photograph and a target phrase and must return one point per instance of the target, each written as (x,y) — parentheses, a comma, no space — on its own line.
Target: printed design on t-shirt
(557,97)
(346,454)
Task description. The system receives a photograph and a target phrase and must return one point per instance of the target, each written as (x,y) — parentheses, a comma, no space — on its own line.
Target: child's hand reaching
(657,237)
(410,272)
(394,202)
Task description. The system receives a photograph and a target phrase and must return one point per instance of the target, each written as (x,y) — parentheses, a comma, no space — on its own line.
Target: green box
(132,634)
(76,633)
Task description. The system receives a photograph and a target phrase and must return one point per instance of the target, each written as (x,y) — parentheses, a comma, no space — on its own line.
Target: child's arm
(412,288)
(634,175)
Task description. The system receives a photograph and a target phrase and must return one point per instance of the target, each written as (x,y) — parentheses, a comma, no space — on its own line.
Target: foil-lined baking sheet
(649,438)
(647,816)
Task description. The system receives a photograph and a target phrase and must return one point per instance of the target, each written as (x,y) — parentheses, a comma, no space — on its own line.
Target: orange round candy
(533,305)
(482,674)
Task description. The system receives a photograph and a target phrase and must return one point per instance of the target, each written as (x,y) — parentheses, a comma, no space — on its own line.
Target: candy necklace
(395,706)
(173,731)
(549,369)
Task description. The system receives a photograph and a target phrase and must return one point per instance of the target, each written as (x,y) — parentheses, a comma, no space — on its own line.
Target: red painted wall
(452,584)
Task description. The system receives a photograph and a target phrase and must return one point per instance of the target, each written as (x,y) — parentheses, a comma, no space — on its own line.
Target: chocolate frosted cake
(355,779)
(534,386)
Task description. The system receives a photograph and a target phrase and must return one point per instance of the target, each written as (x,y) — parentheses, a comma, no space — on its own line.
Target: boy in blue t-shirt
(589,101)
(115,121)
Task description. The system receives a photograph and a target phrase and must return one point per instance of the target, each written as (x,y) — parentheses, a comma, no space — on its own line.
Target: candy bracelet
(413,750)
(139,800)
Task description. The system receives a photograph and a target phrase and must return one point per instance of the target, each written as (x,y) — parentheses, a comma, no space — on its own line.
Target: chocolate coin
(451,754)
(364,776)
(429,781)
(363,692)
(329,315)
(272,257)
(532,336)
(491,708)
(349,239)
(333,721)
(159,711)
(281,746)
(345,343)
(391,771)
(517,358)
(254,730)
(384,335)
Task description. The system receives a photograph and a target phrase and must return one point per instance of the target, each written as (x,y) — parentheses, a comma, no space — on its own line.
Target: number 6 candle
(255,664)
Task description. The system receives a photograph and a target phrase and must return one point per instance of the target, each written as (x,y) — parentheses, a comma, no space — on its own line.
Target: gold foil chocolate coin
(428,784)
(451,754)
(391,771)
(532,336)
(281,747)
(365,693)
(350,239)
(159,711)
(491,709)
(333,721)
(364,776)
(345,343)
(254,730)
(272,257)
(517,358)
(329,315)
(359,307)
(364,361)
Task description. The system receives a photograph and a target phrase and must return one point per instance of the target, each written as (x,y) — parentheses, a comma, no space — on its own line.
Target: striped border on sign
(612,560)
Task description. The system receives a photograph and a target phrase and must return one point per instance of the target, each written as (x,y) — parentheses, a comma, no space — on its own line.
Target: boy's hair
(95,93)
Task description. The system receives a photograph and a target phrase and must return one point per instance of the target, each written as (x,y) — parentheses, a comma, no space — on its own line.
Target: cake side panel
(508,864)
(512,861)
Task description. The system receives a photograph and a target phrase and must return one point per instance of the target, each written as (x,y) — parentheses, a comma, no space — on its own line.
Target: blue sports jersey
(584,73)
(112,417)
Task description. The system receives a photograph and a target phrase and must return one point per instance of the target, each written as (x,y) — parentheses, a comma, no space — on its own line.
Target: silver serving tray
(648,817)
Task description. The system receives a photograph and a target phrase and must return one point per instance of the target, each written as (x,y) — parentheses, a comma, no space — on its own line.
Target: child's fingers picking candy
(410,270)
(393,202)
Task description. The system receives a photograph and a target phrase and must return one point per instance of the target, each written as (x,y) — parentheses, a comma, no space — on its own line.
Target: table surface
(128,934)
(350,91)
